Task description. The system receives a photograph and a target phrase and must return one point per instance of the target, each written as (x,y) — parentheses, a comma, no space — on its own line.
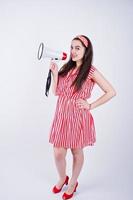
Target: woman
(73,125)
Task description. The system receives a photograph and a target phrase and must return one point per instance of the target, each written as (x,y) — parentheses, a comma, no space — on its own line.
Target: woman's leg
(60,161)
(78,160)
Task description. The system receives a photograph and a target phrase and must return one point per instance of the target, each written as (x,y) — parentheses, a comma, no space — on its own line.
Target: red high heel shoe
(69,196)
(56,190)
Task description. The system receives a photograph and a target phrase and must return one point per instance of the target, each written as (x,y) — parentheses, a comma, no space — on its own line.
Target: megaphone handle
(48,83)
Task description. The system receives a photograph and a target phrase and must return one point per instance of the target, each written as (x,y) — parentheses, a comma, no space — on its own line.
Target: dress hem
(73,147)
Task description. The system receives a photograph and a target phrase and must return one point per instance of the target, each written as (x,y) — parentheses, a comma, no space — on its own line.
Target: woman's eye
(76,48)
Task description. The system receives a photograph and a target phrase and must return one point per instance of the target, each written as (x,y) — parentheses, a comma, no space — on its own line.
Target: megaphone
(44,52)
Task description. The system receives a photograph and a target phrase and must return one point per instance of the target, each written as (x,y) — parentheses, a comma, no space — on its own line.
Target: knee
(77,152)
(59,155)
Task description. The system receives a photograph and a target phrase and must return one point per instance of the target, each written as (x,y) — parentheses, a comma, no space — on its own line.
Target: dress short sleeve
(92,69)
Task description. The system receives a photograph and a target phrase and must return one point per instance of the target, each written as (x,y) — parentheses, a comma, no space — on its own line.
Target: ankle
(72,182)
(62,178)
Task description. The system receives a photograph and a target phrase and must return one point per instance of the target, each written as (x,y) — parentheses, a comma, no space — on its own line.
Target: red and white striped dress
(72,127)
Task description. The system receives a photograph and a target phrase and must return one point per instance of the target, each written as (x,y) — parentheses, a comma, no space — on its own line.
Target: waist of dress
(68,105)
(69,97)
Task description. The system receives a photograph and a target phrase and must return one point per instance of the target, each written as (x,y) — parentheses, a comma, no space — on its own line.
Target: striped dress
(72,127)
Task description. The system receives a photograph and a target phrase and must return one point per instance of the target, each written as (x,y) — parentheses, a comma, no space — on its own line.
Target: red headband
(83,39)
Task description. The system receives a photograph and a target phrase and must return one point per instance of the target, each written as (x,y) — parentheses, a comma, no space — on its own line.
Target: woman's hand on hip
(83,104)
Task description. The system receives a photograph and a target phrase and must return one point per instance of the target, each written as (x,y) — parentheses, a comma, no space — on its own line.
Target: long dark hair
(84,68)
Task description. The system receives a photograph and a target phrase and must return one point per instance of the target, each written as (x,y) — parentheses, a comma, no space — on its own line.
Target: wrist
(55,77)
(89,106)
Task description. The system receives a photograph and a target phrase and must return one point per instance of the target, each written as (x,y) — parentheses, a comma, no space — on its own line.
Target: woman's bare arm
(54,70)
(108,89)
(109,92)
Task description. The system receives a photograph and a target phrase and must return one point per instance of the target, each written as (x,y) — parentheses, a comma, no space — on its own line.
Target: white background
(27,169)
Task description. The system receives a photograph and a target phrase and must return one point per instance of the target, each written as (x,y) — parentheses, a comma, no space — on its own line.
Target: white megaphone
(44,52)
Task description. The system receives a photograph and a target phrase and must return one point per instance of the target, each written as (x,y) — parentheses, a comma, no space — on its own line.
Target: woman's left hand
(83,104)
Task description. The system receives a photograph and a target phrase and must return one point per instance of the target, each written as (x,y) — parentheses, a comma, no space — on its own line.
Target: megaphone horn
(44,52)
(56,55)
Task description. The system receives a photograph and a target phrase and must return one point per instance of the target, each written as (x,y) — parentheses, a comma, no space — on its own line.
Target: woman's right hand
(54,68)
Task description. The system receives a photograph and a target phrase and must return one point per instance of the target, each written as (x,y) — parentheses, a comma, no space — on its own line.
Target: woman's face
(77,50)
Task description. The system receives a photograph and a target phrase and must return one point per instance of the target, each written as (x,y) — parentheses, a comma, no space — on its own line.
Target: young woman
(73,125)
